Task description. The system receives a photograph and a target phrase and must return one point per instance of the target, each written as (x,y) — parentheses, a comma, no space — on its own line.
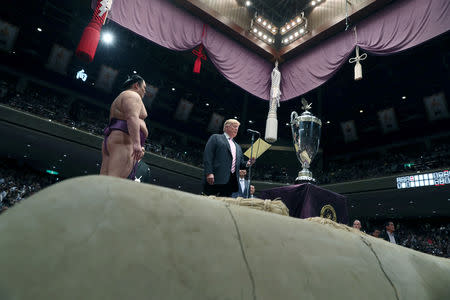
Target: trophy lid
(307,116)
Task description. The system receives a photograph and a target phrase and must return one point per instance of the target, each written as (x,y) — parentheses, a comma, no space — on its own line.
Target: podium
(307,200)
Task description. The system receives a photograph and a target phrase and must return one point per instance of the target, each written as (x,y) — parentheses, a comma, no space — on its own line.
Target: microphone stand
(250,168)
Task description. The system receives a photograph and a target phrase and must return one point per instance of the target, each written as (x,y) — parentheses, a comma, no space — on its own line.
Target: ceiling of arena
(324,18)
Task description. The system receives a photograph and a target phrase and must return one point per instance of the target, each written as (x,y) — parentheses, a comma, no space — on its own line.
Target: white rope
(358,57)
(275,92)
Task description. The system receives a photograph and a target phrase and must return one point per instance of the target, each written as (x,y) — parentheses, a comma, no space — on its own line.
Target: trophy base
(304,176)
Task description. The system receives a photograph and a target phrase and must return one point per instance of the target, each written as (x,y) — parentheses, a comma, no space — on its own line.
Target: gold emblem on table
(328,212)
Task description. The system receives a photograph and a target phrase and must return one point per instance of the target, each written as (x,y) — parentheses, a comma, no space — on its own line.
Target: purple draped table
(307,200)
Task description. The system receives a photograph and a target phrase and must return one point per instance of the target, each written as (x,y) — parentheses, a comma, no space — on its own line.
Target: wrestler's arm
(131,107)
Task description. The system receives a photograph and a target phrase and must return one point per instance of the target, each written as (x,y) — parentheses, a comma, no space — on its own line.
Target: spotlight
(207,104)
(291,37)
(39,29)
(296,34)
(269,26)
(248,3)
(404,97)
(259,33)
(264,23)
(269,40)
(265,37)
(108,38)
(293,23)
(361,111)
(259,20)
(328,122)
(313,3)
(288,27)
(301,30)
(134,72)
(173,89)
(299,19)
(255,30)
(283,30)
(274,30)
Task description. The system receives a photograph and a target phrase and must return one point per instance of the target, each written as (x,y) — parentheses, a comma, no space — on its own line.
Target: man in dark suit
(389,234)
(242,185)
(222,160)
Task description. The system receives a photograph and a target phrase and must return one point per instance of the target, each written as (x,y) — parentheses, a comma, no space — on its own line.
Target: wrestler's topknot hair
(132,80)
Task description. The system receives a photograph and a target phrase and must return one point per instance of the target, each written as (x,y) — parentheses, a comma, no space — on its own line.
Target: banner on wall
(106,78)
(436,106)
(59,59)
(349,131)
(388,120)
(183,110)
(8,36)
(215,124)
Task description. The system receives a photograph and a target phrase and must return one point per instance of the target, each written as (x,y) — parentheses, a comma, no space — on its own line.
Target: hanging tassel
(275,94)
(91,35)
(198,62)
(358,67)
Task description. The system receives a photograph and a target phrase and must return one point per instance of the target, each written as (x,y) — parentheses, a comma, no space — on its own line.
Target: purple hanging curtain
(399,26)
(169,26)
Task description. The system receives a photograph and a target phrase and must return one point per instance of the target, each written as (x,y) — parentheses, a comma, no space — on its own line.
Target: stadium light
(108,38)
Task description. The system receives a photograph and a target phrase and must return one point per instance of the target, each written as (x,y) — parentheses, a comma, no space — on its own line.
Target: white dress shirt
(391,237)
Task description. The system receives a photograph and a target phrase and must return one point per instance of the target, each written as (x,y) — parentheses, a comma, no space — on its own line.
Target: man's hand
(251,162)
(138,152)
(210,179)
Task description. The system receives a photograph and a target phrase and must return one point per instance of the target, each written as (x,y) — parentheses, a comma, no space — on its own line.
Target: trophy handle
(294,115)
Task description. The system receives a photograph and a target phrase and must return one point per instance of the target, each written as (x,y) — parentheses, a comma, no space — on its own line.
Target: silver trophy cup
(306,130)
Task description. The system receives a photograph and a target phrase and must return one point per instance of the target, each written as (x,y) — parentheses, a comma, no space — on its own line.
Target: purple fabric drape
(399,26)
(239,65)
(169,26)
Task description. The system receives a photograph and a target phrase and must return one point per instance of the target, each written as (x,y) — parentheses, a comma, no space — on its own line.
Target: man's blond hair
(229,122)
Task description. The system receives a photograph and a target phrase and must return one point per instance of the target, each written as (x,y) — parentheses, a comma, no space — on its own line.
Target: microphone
(253,131)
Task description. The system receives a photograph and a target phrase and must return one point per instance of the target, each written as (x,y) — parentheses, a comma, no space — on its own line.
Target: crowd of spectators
(18,182)
(362,168)
(424,236)
(75,113)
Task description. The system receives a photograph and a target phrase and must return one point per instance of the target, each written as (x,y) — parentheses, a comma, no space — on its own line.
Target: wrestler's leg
(120,162)
(105,162)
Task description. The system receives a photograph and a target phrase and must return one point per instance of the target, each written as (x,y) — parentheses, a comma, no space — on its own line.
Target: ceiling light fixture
(263,30)
(248,3)
(108,38)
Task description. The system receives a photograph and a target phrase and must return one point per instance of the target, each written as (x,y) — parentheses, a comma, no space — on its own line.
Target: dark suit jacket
(385,236)
(217,159)
(240,192)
